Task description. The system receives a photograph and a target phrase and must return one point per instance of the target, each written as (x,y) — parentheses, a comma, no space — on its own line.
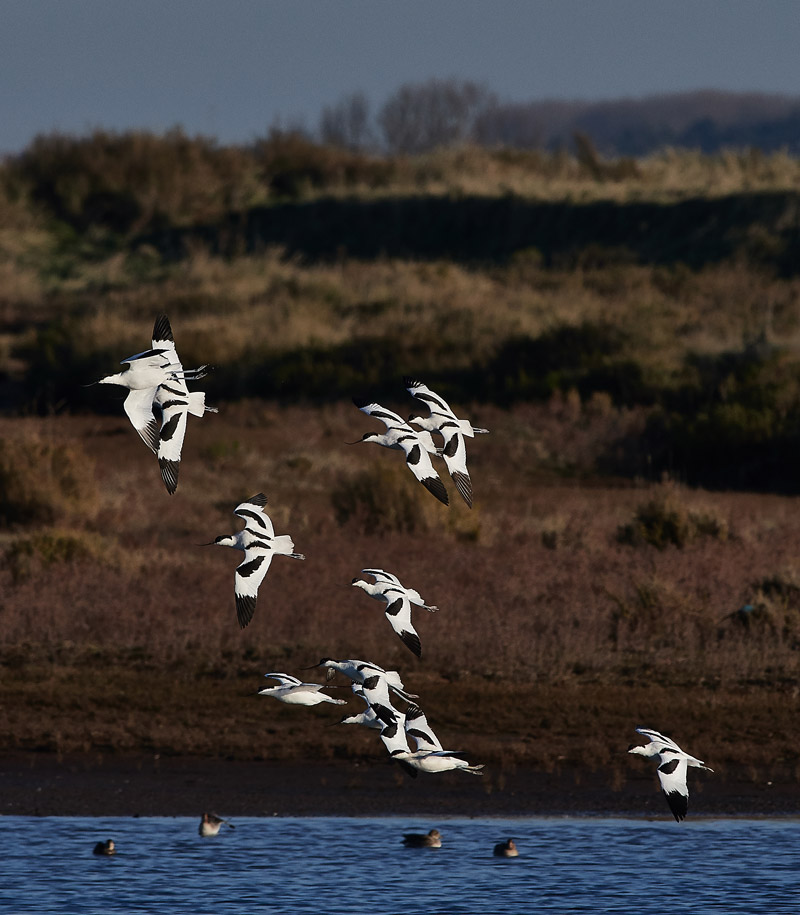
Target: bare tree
(347,123)
(422,116)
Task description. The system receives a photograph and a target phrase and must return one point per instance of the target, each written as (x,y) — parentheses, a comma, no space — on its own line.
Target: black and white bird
(439,417)
(259,544)
(375,684)
(398,600)
(417,446)
(294,692)
(429,755)
(673,765)
(175,402)
(142,375)
(417,728)
(367,718)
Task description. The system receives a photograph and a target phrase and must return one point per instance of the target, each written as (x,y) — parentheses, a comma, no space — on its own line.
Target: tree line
(419,117)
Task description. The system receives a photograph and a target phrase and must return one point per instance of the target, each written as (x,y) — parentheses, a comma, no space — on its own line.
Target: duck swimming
(506,849)
(105,848)
(433,839)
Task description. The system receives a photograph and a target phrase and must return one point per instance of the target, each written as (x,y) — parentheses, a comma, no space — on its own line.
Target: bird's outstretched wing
(417,727)
(436,405)
(419,463)
(248,577)
(659,739)
(672,775)
(398,612)
(390,419)
(380,576)
(284,679)
(454,453)
(256,521)
(139,407)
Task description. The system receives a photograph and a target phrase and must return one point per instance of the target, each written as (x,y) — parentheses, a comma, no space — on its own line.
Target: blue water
(330,865)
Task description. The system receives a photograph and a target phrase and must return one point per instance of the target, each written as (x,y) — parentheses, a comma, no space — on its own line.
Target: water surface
(336,865)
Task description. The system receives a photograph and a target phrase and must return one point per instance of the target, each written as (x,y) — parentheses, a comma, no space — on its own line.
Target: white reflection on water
(339,865)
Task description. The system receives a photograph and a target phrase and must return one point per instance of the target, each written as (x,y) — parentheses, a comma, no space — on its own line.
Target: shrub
(664,521)
(380,501)
(42,482)
(26,554)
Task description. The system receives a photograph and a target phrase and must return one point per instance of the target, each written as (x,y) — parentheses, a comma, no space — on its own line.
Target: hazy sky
(231,67)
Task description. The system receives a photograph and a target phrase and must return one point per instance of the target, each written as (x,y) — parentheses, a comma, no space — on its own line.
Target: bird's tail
(197,403)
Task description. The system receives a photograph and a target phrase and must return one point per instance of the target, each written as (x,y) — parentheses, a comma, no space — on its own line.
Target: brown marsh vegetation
(594,587)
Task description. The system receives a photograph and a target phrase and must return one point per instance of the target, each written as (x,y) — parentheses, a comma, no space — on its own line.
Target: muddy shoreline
(45,784)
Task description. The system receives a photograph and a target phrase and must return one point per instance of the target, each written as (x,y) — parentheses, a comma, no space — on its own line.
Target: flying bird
(175,402)
(142,375)
(417,446)
(367,718)
(429,755)
(398,600)
(259,544)
(673,765)
(439,417)
(294,692)
(375,684)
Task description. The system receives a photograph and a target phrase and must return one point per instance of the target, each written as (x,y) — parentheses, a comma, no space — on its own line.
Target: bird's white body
(673,765)
(398,600)
(259,544)
(294,692)
(416,446)
(442,419)
(367,718)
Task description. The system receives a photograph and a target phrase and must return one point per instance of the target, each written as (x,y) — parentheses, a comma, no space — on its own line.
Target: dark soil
(42,784)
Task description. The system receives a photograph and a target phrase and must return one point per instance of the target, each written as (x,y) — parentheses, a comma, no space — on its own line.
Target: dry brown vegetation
(594,586)
(119,632)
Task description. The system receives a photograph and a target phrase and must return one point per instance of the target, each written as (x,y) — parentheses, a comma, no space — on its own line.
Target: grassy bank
(568,606)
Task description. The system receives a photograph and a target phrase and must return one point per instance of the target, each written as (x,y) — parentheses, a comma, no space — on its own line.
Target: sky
(232,68)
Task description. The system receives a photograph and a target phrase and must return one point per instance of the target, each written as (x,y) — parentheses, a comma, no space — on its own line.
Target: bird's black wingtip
(678,804)
(411,641)
(245,608)
(162,329)
(361,402)
(435,486)
(463,485)
(169,474)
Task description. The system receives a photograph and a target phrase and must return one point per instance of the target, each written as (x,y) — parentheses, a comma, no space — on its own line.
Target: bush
(42,482)
(25,555)
(380,501)
(664,521)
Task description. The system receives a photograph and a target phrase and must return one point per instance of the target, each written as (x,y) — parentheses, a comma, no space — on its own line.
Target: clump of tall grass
(665,520)
(380,500)
(26,555)
(42,482)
